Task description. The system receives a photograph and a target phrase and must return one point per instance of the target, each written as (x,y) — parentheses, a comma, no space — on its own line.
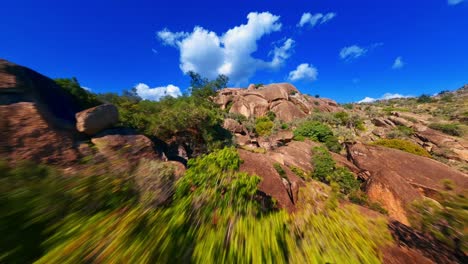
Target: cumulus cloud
(386,96)
(352,52)
(210,54)
(454,2)
(398,63)
(314,19)
(304,71)
(155,94)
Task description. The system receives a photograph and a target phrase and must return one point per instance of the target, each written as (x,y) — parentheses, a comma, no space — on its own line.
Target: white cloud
(304,71)
(280,54)
(454,2)
(169,38)
(398,63)
(386,96)
(312,20)
(86,88)
(210,54)
(352,52)
(327,17)
(155,94)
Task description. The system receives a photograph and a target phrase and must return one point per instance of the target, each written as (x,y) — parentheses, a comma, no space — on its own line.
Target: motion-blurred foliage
(217,216)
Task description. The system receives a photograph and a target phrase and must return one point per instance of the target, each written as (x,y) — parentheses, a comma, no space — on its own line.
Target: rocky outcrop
(283,189)
(36,117)
(281,98)
(93,120)
(396,178)
(124,148)
(26,135)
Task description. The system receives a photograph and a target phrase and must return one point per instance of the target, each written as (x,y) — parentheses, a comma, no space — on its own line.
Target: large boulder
(287,111)
(124,147)
(27,134)
(93,120)
(397,178)
(250,105)
(277,91)
(283,189)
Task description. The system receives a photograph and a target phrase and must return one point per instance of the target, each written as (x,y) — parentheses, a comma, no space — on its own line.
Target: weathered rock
(283,99)
(458,147)
(251,87)
(93,120)
(396,176)
(272,183)
(277,91)
(382,122)
(26,134)
(287,111)
(124,147)
(234,126)
(155,181)
(242,140)
(400,121)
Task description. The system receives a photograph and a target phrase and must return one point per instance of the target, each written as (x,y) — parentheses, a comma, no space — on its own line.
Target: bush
(318,132)
(280,170)
(403,145)
(217,216)
(425,99)
(83,98)
(263,126)
(445,220)
(325,170)
(449,129)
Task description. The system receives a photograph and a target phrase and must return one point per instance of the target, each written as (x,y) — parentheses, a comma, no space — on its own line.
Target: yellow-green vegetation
(280,170)
(317,131)
(263,126)
(403,145)
(450,129)
(300,172)
(216,216)
(326,170)
(445,219)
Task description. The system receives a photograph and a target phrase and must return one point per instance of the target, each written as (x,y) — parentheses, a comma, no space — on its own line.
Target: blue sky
(344,50)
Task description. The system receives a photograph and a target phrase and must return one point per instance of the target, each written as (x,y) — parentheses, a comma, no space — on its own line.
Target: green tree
(204,88)
(84,98)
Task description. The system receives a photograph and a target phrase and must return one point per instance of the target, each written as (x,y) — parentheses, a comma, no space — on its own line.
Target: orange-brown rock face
(281,98)
(26,135)
(36,117)
(398,178)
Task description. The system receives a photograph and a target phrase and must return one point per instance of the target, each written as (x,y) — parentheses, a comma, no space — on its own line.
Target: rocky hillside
(248,172)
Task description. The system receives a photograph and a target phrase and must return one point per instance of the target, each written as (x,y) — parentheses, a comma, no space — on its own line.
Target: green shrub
(403,145)
(318,132)
(271,115)
(263,126)
(299,172)
(425,99)
(450,129)
(343,117)
(325,170)
(83,98)
(445,220)
(280,170)
(216,217)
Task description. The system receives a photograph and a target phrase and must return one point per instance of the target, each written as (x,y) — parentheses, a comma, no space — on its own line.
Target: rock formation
(281,98)
(93,120)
